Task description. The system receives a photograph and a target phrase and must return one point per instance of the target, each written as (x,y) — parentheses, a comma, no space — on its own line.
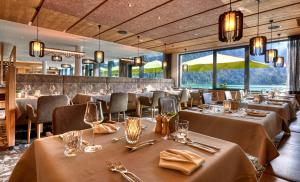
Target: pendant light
(185,67)
(165,63)
(99,55)
(271,54)
(231,25)
(258,44)
(88,61)
(66,66)
(56,58)
(36,47)
(138,61)
(279,62)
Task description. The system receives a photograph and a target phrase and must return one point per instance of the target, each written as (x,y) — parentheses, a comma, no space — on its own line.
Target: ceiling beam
(214,24)
(37,11)
(115,26)
(86,15)
(202,12)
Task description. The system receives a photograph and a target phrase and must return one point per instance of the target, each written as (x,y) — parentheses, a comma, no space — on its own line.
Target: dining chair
(81,99)
(118,103)
(183,98)
(196,98)
(167,104)
(228,95)
(68,118)
(150,102)
(43,114)
(207,97)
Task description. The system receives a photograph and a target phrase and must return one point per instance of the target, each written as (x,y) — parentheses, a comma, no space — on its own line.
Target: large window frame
(215,51)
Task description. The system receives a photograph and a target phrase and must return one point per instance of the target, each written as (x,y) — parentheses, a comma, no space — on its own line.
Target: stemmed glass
(52,89)
(93,116)
(27,89)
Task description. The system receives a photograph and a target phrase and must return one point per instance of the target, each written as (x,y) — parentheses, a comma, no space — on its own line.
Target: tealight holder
(132,130)
(227,105)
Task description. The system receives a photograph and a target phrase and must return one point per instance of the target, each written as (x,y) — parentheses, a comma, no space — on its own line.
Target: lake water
(252,87)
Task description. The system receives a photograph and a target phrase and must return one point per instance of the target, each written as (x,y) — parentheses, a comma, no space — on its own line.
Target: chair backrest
(47,104)
(184,95)
(228,95)
(69,118)
(242,94)
(207,97)
(81,99)
(167,104)
(118,102)
(156,96)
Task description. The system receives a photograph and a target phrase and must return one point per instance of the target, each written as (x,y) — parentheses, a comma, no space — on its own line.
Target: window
(266,76)
(199,73)
(231,68)
(153,66)
(103,69)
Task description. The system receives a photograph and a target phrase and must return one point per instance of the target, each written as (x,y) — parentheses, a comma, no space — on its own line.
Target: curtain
(294,63)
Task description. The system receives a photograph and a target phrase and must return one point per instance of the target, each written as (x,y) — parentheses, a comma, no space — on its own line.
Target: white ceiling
(20,35)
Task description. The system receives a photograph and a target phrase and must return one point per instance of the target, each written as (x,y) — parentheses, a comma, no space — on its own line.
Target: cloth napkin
(106,128)
(180,160)
(257,113)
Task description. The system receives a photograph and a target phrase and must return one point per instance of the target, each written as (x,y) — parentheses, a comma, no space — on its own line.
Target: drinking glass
(72,141)
(133,130)
(52,89)
(182,127)
(93,116)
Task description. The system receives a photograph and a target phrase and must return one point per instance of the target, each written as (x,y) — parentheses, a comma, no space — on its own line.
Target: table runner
(255,136)
(44,161)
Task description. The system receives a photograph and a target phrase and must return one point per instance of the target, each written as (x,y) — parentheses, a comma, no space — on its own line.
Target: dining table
(255,135)
(45,161)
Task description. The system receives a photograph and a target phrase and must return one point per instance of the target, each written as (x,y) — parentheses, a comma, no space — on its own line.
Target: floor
(286,167)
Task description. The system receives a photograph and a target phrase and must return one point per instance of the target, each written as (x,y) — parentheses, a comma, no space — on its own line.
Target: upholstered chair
(69,118)
(45,108)
(118,103)
(207,97)
(81,99)
(151,102)
(228,95)
(167,104)
(196,98)
(183,98)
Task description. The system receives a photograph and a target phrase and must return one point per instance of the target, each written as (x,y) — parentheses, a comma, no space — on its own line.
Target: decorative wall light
(165,63)
(36,47)
(66,66)
(56,58)
(231,25)
(88,61)
(138,61)
(258,44)
(185,67)
(99,55)
(271,54)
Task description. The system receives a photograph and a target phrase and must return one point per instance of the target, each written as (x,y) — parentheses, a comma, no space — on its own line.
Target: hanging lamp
(99,55)
(165,63)
(231,25)
(138,61)
(56,58)
(279,62)
(185,67)
(36,47)
(271,54)
(258,44)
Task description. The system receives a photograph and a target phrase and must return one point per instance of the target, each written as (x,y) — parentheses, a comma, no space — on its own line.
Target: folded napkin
(257,113)
(106,128)
(181,160)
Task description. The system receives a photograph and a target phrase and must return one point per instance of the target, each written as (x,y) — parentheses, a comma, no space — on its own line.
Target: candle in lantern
(132,130)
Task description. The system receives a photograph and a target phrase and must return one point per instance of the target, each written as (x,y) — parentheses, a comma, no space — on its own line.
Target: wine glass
(52,89)
(93,116)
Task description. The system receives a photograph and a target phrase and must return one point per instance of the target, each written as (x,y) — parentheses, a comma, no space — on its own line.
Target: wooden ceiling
(190,24)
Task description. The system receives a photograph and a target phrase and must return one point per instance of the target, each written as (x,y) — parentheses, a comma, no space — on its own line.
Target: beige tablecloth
(282,111)
(293,105)
(254,134)
(44,161)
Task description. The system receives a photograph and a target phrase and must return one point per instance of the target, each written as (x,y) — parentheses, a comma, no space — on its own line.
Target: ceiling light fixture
(271,54)
(99,55)
(65,66)
(88,61)
(53,68)
(122,32)
(279,62)
(165,62)
(185,67)
(258,44)
(56,58)
(65,53)
(36,47)
(138,61)
(231,25)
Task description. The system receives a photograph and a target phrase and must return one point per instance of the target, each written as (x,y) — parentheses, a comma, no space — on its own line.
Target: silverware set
(121,169)
(202,146)
(140,145)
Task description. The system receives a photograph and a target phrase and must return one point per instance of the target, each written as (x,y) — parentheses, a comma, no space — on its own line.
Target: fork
(140,145)
(122,168)
(113,167)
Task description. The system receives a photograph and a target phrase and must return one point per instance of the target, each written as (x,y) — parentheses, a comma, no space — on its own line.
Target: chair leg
(38,130)
(124,115)
(109,117)
(192,102)
(118,117)
(28,131)
(141,111)
(152,112)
